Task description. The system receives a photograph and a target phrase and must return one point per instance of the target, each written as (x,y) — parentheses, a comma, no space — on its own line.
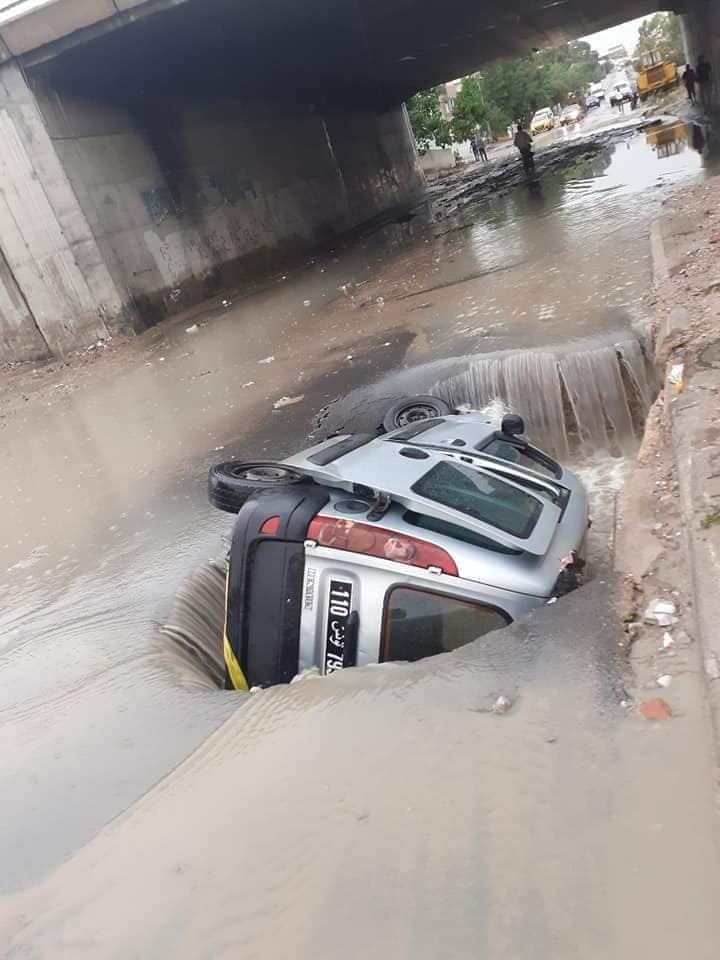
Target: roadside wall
(437,160)
(55,290)
(187,197)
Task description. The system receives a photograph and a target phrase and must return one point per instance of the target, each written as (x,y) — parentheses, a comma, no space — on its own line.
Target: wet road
(389,793)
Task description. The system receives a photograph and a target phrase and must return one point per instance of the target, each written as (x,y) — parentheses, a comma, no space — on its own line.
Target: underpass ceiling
(320,52)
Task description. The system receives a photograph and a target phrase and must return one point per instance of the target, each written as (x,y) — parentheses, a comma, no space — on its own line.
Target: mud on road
(392,793)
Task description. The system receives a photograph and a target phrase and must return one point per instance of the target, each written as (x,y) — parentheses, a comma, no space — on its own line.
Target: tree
(426,121)
(469,109)
(507,90)
(661,32)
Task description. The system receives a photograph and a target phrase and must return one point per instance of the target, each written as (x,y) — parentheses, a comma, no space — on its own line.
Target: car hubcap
(418,411)
(263,474)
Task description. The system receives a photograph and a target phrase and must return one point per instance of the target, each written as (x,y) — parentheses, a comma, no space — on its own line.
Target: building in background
(617,54)
(446,100)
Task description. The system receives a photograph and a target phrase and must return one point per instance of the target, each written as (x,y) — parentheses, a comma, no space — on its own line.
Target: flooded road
(390,793)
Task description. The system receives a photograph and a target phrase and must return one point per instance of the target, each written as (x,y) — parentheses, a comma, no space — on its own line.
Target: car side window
(522,456)
(421,623)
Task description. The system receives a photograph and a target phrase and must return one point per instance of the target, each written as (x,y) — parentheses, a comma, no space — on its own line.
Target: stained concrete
(188,195)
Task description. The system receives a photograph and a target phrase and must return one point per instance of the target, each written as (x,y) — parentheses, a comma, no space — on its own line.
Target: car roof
(393,465)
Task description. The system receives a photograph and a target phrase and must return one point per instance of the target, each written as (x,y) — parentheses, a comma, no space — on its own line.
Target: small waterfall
(190,641)
(591,398)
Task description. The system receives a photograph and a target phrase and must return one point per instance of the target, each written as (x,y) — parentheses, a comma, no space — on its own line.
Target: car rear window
(421,623)
(480,496)
(523,456)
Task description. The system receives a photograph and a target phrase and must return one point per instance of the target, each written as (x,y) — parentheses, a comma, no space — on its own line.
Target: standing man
(523,141)
(480,143)
(474,146)
(689,81)
(703,76)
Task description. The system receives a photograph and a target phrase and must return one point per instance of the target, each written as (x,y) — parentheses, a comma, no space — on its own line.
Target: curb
(660,268)
(685,412)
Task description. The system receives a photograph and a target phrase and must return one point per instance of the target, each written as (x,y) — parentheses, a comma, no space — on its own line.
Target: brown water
(386,809)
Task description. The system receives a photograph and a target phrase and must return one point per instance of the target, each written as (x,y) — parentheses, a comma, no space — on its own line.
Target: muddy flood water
(388,810)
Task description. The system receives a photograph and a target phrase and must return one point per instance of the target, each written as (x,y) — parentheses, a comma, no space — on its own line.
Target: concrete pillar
(55,291)
(701,28)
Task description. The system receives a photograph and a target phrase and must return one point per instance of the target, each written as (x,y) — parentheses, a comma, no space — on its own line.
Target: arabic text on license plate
(339,609)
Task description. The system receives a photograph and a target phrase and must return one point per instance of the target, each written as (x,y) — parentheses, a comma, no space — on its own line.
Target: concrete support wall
(185,198)
(701,27)
(55,291)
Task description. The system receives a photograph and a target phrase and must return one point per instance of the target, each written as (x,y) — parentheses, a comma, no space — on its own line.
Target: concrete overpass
(153,153)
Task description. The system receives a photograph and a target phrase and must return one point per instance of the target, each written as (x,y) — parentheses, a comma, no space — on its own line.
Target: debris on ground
(266,360)
(628,599)
(655,709)
(192,329)
(502,705)
(665,680)
(288,401)
(661,613)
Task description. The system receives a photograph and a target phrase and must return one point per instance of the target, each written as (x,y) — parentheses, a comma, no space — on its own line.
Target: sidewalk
(686,306)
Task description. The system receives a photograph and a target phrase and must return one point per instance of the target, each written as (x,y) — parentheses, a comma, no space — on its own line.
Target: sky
(625,33)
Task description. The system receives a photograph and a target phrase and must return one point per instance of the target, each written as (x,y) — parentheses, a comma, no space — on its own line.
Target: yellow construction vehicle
(656,73)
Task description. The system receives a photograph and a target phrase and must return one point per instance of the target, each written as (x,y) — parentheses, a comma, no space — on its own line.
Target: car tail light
(377,542)
(271,526)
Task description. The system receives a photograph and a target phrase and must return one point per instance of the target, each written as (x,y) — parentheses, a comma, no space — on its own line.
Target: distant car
(621,93)
(573,113)
(543,120)
(367,548)
(597,90)
(591,101)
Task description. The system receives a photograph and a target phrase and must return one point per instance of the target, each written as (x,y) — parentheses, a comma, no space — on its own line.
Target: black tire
(414,409)
(231,483)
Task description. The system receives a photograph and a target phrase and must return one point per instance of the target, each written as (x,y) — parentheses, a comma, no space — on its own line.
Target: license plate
(338,617)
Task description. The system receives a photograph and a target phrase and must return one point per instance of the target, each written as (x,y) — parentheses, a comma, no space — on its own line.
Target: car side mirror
(512,425)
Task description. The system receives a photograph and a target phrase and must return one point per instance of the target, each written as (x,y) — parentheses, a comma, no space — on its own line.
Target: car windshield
(478,495)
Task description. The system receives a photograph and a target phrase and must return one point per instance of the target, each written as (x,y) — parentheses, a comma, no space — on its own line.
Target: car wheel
(231,483)
(413,409)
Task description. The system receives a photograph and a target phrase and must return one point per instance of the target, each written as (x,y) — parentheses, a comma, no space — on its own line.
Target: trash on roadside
(227,303)
(661,613)
(668,641)
(250,383)
(306,303)
(552,600)
(192,329)
(655,709)
(502,705)
(380,301)
(288,401)
(266,360)
(665,680)
(715,237)
(712,668)
(675,377)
